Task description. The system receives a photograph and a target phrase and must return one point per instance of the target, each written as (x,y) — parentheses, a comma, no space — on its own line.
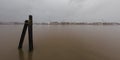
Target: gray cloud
(77,1)
(60,10)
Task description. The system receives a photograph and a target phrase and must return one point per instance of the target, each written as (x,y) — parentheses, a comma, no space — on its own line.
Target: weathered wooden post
(28,23)
(23,34)
(30,33)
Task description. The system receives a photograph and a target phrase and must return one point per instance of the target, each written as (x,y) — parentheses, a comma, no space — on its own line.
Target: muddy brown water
(62,42)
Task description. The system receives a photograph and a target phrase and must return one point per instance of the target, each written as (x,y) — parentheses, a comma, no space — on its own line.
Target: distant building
(54,23)
(44,23)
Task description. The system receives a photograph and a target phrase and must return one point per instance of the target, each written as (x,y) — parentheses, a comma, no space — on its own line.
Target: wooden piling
(30,33)
(23,34)
(28,23)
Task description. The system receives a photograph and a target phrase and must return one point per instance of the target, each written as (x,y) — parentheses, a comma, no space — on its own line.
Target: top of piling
(30,17)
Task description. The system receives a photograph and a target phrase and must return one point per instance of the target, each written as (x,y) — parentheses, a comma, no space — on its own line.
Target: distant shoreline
(63,23)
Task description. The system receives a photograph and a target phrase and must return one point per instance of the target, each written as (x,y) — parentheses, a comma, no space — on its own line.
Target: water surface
(62,42)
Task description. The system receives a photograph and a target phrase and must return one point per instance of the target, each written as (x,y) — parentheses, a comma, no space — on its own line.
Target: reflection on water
(30,54)
(22,56)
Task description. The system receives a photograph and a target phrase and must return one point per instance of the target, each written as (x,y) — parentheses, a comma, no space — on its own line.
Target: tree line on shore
(63,23)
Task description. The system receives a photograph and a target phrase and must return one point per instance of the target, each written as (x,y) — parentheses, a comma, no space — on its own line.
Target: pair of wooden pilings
(28,24)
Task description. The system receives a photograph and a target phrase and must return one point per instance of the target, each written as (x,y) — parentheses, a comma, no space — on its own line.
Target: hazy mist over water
(62,42)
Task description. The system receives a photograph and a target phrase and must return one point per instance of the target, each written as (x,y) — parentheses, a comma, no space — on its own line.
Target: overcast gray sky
(60,10)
